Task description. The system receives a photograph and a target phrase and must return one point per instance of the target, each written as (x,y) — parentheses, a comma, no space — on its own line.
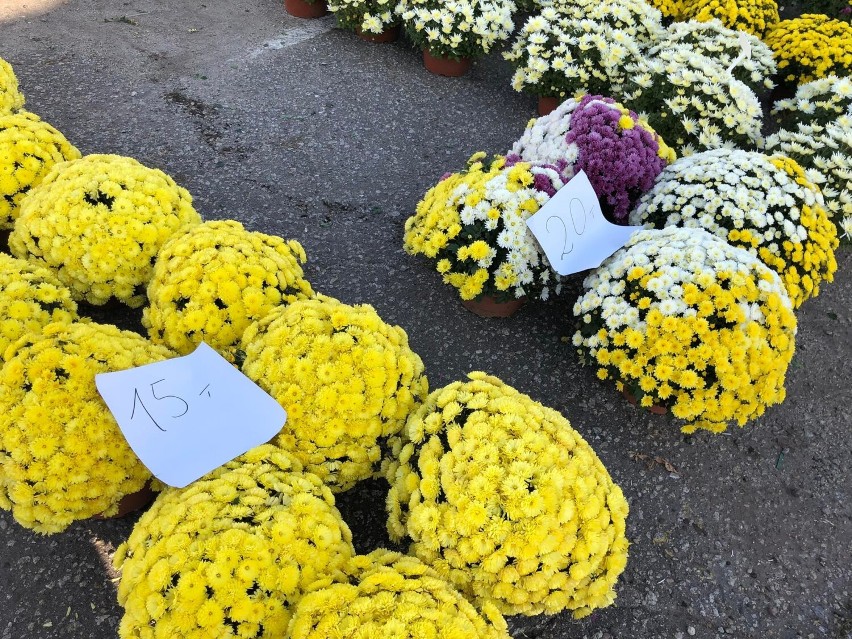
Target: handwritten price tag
(186,416)
(572,230)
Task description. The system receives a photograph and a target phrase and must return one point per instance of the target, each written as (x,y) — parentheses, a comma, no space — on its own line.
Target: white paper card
(186,416)
(572,230)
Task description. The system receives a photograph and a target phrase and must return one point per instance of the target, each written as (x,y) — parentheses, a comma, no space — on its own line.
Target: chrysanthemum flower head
(11,99)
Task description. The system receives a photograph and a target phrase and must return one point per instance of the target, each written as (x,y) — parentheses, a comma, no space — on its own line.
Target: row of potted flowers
(508,509)
(696,316)
(624,33)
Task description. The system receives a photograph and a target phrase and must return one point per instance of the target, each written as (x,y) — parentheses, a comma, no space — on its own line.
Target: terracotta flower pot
(132,502)
(486,306)
(655,408)
(390,34)
(445,66)
(302,9)
(547,104)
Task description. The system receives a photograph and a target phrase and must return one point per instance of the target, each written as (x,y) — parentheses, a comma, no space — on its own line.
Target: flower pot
(547,104)
(486,306)
(445,66)
(302,9)
(390,34)
(132,502)
(655,408)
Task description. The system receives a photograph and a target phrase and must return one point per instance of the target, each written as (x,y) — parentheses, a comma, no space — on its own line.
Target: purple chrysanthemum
(621,162)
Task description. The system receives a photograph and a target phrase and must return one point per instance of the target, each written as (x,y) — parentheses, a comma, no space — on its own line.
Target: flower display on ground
(811,46)
(637,19)
(619,152)
(694,104)
(505,500)
(62,455)
(211,282)
(561,57)
(760,203)
(753,67)
(457,28)
(99,222)
(367,16)
(29,148)
(473,224)
(394,596)
(11,99)
(827,153)
(229,555)
(347,380)
(682,319)
(756,17)
(817,103)
(30,298)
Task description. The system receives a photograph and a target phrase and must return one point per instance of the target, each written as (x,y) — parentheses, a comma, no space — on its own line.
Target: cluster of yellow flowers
(683,319)
(817,103)
(505,500)
(28,150)
(694,103)
(11,99)
(670,9)
(752,16)
(394,597)
(62,455)
(725,47)
(99,222)
(230,554)
(30,298)
(347,380)
(827,153)
(760,203)
(211,282)
(473,224)
(811,46)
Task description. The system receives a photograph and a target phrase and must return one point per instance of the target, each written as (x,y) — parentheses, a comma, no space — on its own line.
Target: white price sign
(186,416)
(572,230)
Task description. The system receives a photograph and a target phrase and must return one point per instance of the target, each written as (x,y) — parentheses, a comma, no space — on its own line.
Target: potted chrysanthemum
(31,297)
(210,283)
(347,379)
(619,151)
(452,33)
(557,57)
(746,56)
(230,554)
(693,102)
(505,500)
(827,153)
(371,20)
(389,594)
(29,148)
(473,225)
(682,320)
(763,204)
(62,454)
(811,46)
(11,99)
(756,17)
(99,222)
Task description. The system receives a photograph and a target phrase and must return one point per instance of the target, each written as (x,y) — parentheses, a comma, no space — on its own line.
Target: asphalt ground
(301,130)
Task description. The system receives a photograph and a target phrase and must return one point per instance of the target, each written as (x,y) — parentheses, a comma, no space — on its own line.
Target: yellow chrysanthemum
(232,552)
(811,46)
(752,16)
(505,500)
(99,222)
(11,99)
(28,150)
(347,380)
